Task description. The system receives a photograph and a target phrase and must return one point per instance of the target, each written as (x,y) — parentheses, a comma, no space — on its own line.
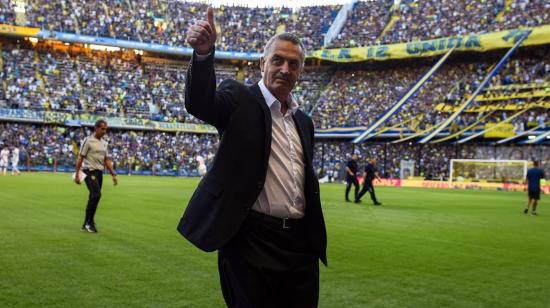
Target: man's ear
(262,62)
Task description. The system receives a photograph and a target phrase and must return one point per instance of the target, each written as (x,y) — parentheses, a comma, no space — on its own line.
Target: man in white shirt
(4,160)
(15,161)
(201,166)
(259,203)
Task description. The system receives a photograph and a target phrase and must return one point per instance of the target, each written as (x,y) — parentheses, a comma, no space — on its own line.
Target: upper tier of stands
(246,28)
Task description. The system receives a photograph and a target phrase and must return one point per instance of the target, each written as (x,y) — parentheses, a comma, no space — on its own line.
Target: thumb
(210,15)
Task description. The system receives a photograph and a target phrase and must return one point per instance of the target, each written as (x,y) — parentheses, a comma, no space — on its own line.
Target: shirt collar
(270,99)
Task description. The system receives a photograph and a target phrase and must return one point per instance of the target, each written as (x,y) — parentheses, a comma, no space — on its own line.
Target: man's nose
(285,67)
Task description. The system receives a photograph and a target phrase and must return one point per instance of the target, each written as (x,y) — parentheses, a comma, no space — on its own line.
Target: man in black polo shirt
(534,175)
(370,174)
(351,176)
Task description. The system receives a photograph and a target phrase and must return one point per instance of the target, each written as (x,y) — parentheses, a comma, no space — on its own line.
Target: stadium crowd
(131,151)
(96,84)
(138,152)
(419,20)
(114,86)
(369,22)
(358,97)
(166,22)
(364,24)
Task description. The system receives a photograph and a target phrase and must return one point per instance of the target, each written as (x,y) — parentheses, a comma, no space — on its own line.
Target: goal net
(490,171)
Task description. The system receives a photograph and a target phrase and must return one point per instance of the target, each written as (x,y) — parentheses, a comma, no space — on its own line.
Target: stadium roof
(275,3)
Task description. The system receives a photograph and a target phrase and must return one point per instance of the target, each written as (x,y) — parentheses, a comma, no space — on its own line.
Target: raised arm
(201,98)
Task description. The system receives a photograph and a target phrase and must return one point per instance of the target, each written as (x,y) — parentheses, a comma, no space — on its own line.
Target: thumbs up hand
(202,35)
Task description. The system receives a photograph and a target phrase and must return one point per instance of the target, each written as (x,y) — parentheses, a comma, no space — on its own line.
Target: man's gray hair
(289,37)
(100,122)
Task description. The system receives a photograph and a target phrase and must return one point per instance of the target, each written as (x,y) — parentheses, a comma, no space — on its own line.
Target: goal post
(487,170)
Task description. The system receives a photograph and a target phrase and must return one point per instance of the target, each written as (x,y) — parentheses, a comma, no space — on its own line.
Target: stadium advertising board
(456,185)
(474,42)
(18,31)
(21,114)
(69,119)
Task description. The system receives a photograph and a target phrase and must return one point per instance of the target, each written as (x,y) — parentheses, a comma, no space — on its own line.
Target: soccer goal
(485,170)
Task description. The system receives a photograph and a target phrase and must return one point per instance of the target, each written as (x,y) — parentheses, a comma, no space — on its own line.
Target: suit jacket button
(260,186)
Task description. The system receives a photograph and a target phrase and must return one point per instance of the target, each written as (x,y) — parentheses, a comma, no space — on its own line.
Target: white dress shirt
(283,193)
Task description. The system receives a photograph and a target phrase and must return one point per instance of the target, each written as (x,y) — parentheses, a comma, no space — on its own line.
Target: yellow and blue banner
(18,30)
(85,119)
(429,48)
(504,130)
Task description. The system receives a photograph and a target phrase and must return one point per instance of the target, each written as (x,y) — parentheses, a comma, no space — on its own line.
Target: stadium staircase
(500,16)
(389,25)
(75,20)
(3,80)
(325,87)
(40,77)
(106,9)
(21,17)
(338,22)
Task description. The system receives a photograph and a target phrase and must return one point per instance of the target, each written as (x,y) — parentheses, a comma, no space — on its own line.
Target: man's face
(282,67)
(355,157)
(101,130)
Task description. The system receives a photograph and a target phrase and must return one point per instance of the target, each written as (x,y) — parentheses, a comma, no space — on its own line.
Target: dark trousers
(94,180)
(266,265)
(367,186)
(352,180)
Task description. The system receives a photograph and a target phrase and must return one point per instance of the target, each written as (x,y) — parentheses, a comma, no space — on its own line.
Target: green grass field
(422,248)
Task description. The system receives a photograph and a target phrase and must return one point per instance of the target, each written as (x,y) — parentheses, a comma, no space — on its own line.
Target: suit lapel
(302,132)
(301,126)
(267,120)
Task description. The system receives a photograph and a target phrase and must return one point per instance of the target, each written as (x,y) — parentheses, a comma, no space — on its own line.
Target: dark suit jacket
(223,198)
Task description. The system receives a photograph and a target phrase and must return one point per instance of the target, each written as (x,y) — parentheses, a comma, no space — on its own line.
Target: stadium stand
(165,22)
(45,147)
(75,80)
(365,24)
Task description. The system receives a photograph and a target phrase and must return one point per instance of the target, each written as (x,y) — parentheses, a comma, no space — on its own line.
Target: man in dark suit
(259,203)
(370,174)
(351,177)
